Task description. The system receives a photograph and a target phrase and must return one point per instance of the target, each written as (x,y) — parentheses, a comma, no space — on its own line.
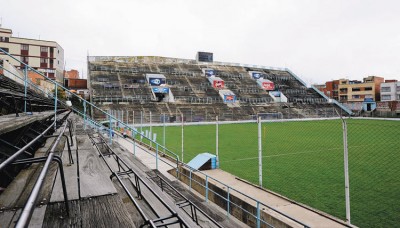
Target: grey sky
(319,40)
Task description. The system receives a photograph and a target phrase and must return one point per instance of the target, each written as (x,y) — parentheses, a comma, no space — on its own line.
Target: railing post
(258,215)
(259,152)
(25,86)
(182,137)
(206,189)
(228,203)
(190,180)
(55,106)
(110,129)
(141,125)
(84,114)
(156,156)
(164,132)
(151,133)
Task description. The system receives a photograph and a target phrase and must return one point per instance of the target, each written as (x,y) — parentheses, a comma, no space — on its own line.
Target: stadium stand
(118,83)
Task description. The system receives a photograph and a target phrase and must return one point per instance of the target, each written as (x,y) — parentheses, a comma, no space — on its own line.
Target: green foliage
(60,93)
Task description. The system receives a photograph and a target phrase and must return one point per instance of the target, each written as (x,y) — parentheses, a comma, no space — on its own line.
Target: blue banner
(156,81)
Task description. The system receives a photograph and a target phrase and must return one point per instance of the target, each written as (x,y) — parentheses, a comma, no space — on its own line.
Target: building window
(368,88)
(386,97)
(369,96)
(44,49)
(24,59)
(5,49)
(356,96)
(4,39)
(398,88)
(385,89)
(355,89)
(24,47)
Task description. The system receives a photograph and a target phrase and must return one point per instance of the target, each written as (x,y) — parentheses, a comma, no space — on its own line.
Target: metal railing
(27,211)
(112,118)
(127,170)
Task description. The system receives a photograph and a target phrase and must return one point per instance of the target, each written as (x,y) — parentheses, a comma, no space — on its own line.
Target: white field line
(304,152)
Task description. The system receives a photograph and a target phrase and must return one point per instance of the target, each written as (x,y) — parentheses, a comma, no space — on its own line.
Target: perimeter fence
(302,159)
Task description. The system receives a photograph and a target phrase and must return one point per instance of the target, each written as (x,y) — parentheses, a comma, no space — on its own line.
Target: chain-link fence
(374,158)
(301,159)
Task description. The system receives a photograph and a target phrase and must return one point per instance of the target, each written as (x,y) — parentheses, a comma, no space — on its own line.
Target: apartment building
(390,90)
(42,55)
(360,91)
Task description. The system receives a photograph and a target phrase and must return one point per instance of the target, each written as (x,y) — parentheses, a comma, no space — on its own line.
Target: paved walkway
(307,216)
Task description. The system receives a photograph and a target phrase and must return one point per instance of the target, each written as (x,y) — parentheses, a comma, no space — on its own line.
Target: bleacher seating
(121,85)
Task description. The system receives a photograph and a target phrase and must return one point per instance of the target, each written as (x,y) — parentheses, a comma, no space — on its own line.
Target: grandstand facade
(199,91)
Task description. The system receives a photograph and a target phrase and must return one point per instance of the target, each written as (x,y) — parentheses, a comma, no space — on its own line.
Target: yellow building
(357,91)
(44,56)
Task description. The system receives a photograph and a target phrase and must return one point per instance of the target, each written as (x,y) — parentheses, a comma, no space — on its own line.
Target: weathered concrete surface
(11,122)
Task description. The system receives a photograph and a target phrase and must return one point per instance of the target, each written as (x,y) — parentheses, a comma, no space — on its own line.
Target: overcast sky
(319,40)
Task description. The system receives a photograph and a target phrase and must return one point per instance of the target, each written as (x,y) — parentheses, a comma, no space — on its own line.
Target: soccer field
(304,161)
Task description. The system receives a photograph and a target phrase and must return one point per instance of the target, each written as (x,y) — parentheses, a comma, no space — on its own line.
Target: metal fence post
(182,136)
(84,114)
(346,171)
(141,125)
(228,203)
(217,140)
(156,156)
(190,180)
(151,132)
(25,87)
(206,189)
(110,129)
(164,132)
(258,215)
(259,152)
(55,107)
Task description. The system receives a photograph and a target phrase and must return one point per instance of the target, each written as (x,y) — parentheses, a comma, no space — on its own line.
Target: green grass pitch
(304,162)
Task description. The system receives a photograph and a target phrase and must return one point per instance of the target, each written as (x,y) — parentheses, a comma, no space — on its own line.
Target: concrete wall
(238,207)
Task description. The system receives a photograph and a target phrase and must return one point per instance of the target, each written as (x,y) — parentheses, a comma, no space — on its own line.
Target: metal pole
(156,156)
(55,107)
(122,116)
(84,114)
(151,133)
(110,129)
(228,203)
(25,86)
(206,188)
(190,180)
(259,152)
(258,214)
(217,141)
(182,135)
(141,124)
(346,171)
(164,132)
